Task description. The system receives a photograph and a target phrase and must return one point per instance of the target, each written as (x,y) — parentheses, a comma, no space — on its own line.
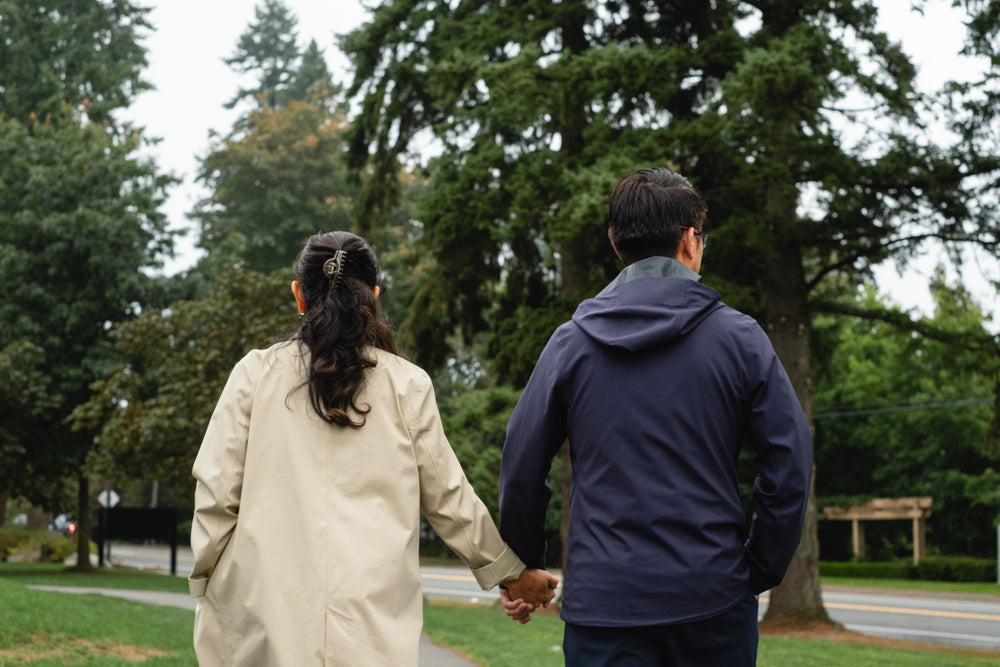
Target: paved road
(968,621)
(958,620)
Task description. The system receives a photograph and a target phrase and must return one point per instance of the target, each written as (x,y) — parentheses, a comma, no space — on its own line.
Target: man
(657,385)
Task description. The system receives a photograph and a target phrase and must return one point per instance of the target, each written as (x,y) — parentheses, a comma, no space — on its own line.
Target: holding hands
(523,595)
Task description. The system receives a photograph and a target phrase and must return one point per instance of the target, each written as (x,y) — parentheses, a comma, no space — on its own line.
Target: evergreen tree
(538,108)
(67,52)
(313,81)
(281,174)
(279,178)
(269,50)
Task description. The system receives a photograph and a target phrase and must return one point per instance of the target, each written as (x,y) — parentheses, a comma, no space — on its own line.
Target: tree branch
(970,340)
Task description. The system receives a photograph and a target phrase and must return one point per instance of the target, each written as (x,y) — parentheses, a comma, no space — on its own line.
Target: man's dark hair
(646,213)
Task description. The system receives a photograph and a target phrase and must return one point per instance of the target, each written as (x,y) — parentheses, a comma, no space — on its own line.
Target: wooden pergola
(883,509)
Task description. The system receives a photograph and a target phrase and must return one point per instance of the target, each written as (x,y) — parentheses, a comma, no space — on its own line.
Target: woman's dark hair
(338,272)
(647,210)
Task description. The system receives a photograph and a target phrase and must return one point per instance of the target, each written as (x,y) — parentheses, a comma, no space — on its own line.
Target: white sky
(192,37)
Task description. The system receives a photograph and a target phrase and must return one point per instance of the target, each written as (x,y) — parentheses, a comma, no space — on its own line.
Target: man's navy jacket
(657,385)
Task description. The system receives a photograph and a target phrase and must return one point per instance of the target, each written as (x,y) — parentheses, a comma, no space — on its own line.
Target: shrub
(956,568)
(865,570)
(930,568)
(23,539)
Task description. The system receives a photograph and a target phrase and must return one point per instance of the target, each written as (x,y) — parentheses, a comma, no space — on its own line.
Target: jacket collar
(652,267)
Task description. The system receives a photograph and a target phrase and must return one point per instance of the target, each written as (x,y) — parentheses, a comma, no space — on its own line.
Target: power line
(906,407)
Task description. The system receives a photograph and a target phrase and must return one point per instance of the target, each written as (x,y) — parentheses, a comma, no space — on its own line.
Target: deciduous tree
(79,219)
(900,414)
(151,409)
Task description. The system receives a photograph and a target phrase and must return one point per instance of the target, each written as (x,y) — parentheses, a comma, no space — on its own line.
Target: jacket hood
(646,312)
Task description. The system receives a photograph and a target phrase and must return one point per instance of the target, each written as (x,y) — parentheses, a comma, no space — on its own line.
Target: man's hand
(527,592)
(536,587)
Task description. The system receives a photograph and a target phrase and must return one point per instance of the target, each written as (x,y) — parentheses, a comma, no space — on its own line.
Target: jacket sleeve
(448,500)
(781,448)
(535,432)
(218,471)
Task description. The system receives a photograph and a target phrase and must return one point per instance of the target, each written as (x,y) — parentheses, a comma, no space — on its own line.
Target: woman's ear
(299,300)
(377,290)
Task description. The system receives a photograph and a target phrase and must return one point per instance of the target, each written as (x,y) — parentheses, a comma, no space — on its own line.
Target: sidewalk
(431,655)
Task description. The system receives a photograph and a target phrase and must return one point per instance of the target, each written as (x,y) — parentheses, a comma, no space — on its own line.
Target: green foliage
(270,50)
(868,570)
(278,179)
(476,424)
(280,175)
(539,109)
(956,568)
(152,409)
(78,222)
(24,392)
(24,540)
(930,568)
(901,415)
(66,52)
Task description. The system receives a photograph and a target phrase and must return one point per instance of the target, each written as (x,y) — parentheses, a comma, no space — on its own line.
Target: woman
(317,461)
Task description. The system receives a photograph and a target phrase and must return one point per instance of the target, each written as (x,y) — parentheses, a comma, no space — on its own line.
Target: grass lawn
(490,639)
(988,588)
(54,574)
(41,629)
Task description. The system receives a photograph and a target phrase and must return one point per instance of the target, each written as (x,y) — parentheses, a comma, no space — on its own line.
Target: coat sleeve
(218,471)
(448,500)
(535,432)
(781,449)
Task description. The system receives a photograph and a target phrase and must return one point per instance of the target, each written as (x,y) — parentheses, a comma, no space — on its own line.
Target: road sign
(108,498)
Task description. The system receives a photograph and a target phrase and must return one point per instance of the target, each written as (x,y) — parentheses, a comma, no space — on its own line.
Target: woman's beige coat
(305,534)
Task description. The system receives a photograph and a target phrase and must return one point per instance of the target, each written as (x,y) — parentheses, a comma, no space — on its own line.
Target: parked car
(64,524)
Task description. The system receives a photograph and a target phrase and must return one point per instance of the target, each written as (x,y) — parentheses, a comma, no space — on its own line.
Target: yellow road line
(913,612)
(831,605)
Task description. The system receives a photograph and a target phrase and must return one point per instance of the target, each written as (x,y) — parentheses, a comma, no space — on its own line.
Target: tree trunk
(83,524)
(578,254)
(799,596)
(3,506)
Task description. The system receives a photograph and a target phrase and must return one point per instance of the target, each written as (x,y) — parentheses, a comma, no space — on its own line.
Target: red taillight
(72,527)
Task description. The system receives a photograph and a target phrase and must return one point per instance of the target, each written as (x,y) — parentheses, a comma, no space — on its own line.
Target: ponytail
(338,274)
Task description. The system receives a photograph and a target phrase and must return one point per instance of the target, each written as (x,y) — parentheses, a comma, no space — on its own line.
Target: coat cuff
(197,586)
(506,567)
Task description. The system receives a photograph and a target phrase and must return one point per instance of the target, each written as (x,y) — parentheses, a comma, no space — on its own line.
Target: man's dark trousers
(726,640)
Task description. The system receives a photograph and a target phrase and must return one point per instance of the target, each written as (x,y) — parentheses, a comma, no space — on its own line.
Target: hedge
(930,568)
